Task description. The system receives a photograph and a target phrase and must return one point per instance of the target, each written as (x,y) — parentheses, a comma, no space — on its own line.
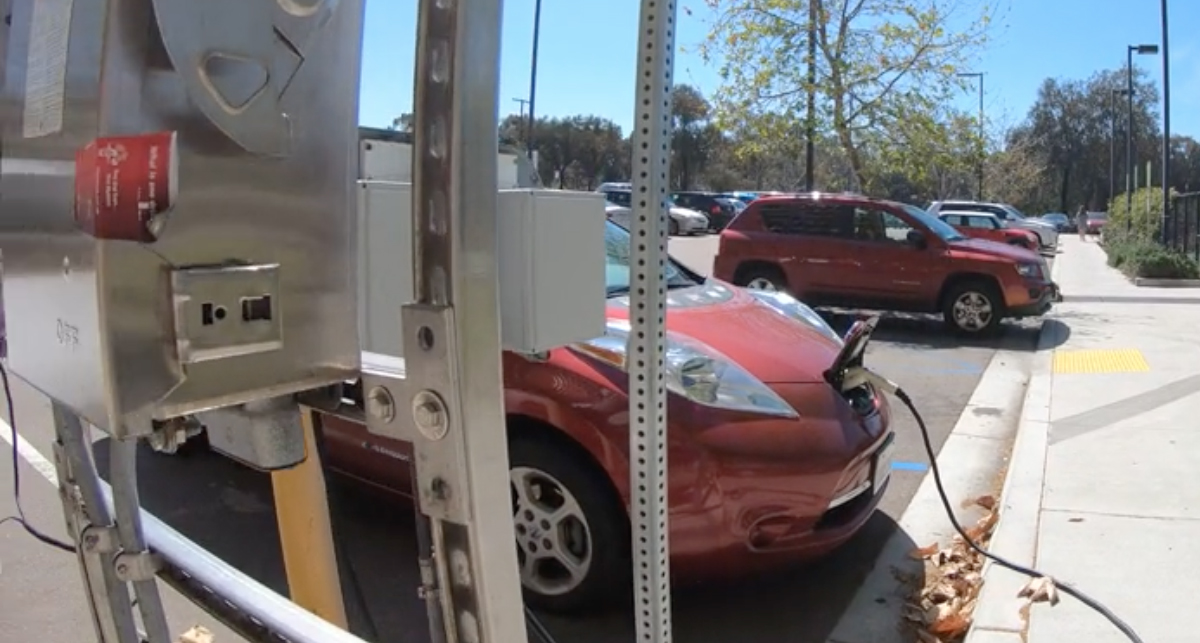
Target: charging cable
(857,376)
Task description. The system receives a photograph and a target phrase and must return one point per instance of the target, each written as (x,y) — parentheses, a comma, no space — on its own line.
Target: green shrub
(1147,259)
(1139,225)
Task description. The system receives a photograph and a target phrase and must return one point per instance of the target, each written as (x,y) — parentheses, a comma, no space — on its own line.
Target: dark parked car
(719,210)
(1060,220)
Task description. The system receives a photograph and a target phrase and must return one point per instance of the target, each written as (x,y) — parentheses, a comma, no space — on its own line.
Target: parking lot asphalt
(228,509)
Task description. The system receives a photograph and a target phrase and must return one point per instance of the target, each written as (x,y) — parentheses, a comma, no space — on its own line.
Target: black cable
(20,518)
(1066,588)
(539,628)
(339,546)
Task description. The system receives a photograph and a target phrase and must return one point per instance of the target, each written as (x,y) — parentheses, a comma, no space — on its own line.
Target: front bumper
(1043,297)
(692,225)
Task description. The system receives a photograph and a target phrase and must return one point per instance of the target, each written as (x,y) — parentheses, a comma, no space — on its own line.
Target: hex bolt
(380,404)
(429,414)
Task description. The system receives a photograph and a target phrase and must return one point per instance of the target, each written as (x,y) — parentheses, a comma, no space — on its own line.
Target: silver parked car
(1046,231)
(683,220)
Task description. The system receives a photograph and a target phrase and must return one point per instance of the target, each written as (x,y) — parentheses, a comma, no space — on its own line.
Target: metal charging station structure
(178,231)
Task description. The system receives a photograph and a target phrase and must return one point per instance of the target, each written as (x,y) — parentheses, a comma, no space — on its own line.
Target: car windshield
(616,267)
(1056,216)
(737,206)
(943,230)
(1014,213)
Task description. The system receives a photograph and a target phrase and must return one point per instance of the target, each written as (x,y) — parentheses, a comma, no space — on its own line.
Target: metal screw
(90,541)
(429,414)
(380,404)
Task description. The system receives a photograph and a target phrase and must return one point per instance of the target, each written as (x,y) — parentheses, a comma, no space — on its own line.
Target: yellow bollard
(305,534)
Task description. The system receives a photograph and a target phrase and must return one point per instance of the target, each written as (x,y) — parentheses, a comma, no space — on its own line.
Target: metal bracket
(136,566)
(99,540)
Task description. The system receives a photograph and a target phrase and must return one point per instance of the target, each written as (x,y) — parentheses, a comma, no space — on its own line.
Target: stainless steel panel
(263,98)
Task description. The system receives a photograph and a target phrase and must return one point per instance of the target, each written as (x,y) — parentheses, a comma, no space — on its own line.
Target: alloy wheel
(554,542)
(972,311)
(762,283)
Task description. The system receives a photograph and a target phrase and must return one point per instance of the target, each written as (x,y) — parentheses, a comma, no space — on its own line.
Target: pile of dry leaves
(943,608)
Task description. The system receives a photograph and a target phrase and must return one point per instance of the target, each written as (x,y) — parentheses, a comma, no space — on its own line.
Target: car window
(616,267)
(877,225)
(952,219)
(808,219)
(619,197)
(984,223)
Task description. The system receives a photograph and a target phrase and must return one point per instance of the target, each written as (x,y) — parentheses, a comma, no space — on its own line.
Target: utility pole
(537,28)
(810,150)
(1166,144)
(522,102)
(982,134)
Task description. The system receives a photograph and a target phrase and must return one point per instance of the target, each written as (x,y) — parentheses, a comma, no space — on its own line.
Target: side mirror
(916,239)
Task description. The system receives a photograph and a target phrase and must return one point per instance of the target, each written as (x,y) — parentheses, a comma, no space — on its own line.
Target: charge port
(256,308)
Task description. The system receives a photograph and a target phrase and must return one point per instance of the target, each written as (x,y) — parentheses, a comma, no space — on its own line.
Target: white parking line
(29,453)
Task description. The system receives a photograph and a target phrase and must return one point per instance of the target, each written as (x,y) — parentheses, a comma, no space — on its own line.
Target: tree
(876,60)
(403,122)
(692,137)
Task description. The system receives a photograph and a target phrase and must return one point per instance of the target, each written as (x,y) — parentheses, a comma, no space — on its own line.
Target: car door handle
(816,260)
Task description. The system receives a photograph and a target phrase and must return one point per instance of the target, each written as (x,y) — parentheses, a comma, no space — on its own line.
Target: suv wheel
(571,532)
(762,278)
(974,307)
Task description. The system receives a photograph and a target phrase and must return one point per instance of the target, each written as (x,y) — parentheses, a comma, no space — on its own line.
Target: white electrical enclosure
(383,156)
(551,266)
(385,263)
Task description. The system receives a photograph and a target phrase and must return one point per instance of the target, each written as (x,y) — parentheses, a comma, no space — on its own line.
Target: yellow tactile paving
(1125,360)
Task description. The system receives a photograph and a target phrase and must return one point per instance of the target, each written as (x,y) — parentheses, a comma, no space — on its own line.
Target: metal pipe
(982,137)
(122,456)
(214,580)
(1166,146)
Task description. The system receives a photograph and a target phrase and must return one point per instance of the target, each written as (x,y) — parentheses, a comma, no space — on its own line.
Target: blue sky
(586,63)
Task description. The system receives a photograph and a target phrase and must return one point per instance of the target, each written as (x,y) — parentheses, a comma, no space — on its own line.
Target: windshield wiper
(617,291)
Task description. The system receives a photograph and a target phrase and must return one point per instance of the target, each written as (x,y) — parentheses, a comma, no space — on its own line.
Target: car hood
(775,348)
(685,212)
(993,249)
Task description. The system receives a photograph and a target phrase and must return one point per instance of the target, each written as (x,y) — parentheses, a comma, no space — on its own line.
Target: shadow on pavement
(929,331)
(228,509)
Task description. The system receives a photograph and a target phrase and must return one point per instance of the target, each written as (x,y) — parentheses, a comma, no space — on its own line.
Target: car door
(808,240)
(891,270)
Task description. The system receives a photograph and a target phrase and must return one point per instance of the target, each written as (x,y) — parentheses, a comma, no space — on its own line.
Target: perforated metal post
(452,332)
(647,387)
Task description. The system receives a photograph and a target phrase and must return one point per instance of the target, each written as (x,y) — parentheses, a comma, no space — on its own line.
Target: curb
(1000,616)
(969,459)
(1146,282)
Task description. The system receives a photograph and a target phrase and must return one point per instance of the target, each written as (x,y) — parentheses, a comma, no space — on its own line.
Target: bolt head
(380,404)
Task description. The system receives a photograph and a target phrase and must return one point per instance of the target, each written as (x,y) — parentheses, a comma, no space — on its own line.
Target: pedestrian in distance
(1081,222)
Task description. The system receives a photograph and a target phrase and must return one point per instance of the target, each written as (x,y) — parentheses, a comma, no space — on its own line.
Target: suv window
(807,219)
(985,223)
(877,225)
(953,219)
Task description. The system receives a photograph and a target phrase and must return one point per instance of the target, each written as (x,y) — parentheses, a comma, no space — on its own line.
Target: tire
(673,227)
(595,535)
(975,294)
(762,278)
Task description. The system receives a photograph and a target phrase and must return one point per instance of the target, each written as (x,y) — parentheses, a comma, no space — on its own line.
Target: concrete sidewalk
(1102,489)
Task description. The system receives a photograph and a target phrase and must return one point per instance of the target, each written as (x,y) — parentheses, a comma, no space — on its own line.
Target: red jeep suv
(857,252)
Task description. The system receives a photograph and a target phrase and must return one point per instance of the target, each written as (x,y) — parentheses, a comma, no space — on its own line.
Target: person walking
(1081,222)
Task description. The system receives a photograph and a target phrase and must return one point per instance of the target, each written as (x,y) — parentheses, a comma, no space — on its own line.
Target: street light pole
(537,27)
(1166,144)
(982,135)
(1112,142)
(810,153)
(1130,50)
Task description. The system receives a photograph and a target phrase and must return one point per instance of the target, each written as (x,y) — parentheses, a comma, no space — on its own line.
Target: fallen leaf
(197,634)
(987,502)
(950,626)
(1040,590)
(922,553)
(926,637)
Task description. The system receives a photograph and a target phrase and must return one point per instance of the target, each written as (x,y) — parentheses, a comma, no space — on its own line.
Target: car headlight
(695,371)
(791,307)
(1029,270)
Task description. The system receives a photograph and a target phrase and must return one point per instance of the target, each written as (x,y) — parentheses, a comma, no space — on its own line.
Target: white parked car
(1047,232)
(619,196)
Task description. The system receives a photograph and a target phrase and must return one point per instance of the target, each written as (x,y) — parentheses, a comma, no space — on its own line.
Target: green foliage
(877,63)
(1131,239)
(1146,259)
(1139,225)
